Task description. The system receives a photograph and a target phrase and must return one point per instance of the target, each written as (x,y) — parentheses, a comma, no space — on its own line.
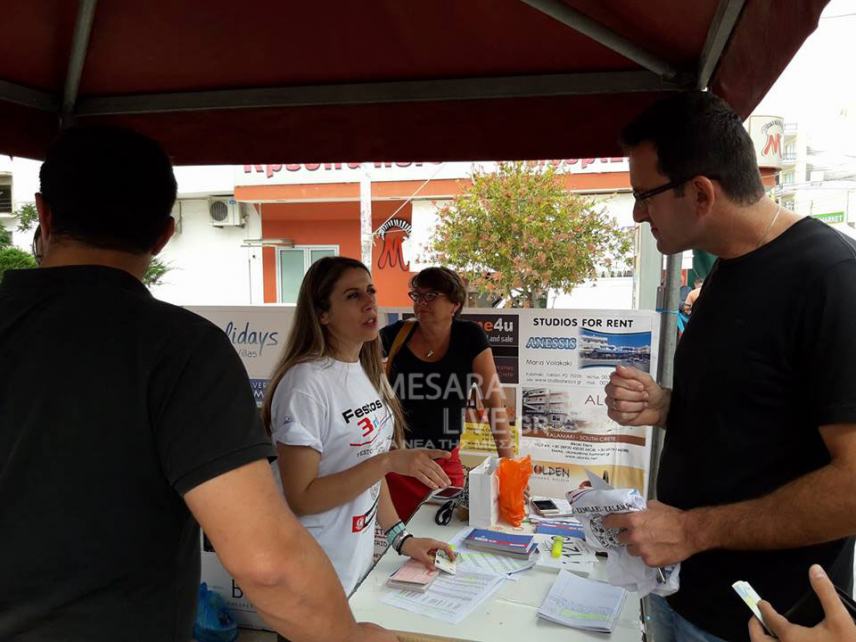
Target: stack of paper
(583,604)
(565,529)
(481,539)
(412,576)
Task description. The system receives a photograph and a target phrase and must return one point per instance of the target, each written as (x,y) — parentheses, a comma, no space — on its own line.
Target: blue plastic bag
(213,623)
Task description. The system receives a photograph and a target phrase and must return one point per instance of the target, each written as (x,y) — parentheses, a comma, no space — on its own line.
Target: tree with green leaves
(517,232)
(28,216)
(12,258)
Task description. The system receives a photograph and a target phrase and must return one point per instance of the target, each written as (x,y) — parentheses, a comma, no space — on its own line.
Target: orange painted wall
(439,188)
(335,223)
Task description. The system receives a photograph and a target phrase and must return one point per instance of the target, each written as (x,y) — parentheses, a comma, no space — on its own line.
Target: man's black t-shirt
(434,395)
(112,406)
(766,359)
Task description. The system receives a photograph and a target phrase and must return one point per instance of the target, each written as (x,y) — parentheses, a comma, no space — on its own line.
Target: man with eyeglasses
(758,468)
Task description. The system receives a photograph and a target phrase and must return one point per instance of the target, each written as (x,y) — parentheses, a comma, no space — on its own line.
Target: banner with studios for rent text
(553,366)
(566,357)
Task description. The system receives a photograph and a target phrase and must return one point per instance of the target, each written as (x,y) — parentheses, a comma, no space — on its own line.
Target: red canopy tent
(230,82)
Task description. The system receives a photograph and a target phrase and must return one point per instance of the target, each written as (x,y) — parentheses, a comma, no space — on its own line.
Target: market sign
(830,217)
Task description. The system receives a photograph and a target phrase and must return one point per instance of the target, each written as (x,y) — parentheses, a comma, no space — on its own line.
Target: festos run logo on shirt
(368,426)
(250,341)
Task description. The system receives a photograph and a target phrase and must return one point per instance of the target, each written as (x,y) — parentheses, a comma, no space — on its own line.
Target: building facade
(246,234)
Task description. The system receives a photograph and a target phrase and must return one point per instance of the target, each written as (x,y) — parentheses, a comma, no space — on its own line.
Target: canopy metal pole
(369,93)
(721,28)
(366,237)
(668,342)
(582,23)
(76,58)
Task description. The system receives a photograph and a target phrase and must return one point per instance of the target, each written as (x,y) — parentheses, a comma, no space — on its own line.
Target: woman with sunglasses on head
(334,418)
(433,364)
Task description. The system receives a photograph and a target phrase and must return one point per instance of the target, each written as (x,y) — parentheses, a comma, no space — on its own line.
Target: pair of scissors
(444,514)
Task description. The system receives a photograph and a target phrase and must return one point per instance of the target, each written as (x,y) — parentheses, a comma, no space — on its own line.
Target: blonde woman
(334,419)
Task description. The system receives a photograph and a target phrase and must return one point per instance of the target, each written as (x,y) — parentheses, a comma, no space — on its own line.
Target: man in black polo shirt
(123,421)
(758,469)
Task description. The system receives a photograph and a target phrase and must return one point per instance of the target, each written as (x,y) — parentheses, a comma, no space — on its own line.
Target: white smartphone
(751,598)
(545,507)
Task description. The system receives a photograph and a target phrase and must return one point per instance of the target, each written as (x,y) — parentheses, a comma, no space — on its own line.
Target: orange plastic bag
(513,479)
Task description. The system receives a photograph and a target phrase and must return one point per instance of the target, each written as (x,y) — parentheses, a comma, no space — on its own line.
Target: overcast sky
(818,89)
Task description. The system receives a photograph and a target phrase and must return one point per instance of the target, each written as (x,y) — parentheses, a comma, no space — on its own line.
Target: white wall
(210,265)
(25,184)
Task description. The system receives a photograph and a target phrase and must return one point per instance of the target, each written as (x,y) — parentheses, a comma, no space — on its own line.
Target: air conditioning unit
(224,212)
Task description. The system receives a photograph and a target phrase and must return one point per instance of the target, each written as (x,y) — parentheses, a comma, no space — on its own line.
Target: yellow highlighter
(558,544)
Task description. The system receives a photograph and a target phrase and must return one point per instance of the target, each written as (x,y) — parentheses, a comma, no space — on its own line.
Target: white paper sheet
(450,598)
(583,604)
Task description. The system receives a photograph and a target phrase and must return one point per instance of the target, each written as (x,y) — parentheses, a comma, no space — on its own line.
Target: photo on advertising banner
(607,350)
(477,436)
(559,413)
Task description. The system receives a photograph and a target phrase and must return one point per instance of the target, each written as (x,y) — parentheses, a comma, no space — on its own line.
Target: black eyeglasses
(427,297)
(641,197)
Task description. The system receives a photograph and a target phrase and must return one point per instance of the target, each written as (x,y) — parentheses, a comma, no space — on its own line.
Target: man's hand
(419,463)
(659,535)
(837,625)
(633,398)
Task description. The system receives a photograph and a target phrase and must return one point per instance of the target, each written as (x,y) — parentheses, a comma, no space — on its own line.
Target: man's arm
(812,509)
(282,570)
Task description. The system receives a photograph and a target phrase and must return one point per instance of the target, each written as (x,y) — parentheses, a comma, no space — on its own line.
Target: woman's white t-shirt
(332,407)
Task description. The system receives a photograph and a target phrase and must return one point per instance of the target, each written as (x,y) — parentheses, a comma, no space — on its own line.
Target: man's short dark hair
(108,187)
(697,134)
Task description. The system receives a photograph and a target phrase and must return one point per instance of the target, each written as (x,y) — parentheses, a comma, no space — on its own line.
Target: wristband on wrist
(397,539)
(403,539)
(393,532)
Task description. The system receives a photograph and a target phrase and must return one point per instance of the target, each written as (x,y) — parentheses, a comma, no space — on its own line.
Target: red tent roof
(265,81)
